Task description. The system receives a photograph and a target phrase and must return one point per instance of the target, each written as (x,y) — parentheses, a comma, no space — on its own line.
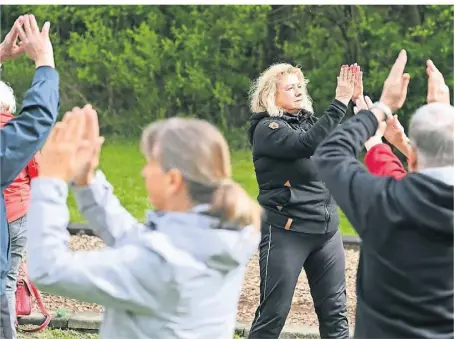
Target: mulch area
(302,311)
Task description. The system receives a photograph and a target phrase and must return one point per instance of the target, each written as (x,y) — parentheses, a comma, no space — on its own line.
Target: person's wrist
(45,61)
(379,114)
(343,100)
(84,180)
(53,175)
(373,141)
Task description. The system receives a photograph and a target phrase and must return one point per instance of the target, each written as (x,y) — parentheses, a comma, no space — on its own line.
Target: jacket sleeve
(33,166)
(24,135)
(103,211)
(114,277)
(286,143)
(353,187)
(381,161)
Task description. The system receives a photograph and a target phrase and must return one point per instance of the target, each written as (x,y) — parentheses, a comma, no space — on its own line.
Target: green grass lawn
(65,334)
(57,334)
(122,164)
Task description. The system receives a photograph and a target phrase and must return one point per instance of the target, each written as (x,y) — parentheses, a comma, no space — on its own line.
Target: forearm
(103,211)
(105,276)
(24,135)
(344,175)
(373,141)
(325,125)
(404,148)
(48,217)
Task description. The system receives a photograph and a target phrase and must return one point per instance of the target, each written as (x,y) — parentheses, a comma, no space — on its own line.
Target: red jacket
(17,195)
(381,161)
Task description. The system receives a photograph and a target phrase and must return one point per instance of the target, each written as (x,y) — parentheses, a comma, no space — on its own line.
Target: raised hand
(345,85)
(362,102)
(396,85)
(394,132)
(89,150)
(358,86)
(36,44)
(438,91)
(9,48)
(59,154)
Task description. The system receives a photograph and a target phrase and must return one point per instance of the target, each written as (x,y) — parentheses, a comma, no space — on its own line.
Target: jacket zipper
(327,215)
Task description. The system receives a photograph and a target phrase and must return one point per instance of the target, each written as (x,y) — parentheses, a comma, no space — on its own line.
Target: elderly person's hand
(365,103)
(438,91)
(9,48)
(362,103)
(396,85)
(394,134)
(36,44)
(358,86)
(345,85)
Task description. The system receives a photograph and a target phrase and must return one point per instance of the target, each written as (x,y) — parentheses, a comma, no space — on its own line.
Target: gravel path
(302,312)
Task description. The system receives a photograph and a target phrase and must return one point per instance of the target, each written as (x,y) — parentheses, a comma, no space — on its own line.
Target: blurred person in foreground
(405,273)
(23,136)
(177,276)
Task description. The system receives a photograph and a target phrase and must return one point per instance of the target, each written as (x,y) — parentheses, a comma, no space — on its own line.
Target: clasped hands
(72,150)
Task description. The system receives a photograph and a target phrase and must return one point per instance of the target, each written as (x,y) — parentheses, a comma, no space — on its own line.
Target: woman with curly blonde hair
(300,220)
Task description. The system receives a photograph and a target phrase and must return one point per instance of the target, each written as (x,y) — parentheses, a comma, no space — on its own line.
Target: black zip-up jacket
(405,274)
(290,190)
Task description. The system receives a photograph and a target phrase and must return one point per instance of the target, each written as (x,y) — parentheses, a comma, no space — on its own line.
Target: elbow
(39,274)
(42,273)
(317,156)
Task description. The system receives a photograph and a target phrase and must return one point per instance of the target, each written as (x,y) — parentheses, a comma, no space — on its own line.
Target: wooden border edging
(78,228)
(91,321)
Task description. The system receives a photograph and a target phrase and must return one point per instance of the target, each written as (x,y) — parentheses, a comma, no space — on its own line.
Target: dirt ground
(302,311)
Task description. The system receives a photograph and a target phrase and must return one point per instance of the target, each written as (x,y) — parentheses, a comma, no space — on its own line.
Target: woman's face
(166,190)
(289,93)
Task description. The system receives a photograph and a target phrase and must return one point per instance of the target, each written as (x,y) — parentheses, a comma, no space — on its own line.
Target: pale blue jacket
(178,276)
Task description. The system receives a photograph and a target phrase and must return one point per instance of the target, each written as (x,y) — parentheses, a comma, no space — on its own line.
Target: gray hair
(7,99)
(431,133)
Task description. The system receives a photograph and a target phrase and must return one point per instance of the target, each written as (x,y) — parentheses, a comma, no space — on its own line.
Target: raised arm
(379,158)
(114,277)
(352,186)
(275,138)
(103,211)
(24,135)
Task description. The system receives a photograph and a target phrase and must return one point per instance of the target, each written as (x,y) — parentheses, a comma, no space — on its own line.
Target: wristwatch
(387,111)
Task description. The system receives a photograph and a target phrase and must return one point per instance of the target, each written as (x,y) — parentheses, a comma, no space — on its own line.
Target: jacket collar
(444,174)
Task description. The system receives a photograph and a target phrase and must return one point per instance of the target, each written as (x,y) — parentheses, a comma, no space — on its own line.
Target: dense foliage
(136,64)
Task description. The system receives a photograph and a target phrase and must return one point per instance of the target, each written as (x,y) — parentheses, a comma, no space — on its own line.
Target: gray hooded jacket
(178,276)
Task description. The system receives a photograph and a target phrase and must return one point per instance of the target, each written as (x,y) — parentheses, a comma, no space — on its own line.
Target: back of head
(431,133)
(7,99)
(264,89)
(199,151)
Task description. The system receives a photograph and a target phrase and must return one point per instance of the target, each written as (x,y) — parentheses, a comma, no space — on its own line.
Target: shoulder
(271,125)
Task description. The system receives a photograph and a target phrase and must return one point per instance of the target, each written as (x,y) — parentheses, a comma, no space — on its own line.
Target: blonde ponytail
(201,154)
(233,204)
